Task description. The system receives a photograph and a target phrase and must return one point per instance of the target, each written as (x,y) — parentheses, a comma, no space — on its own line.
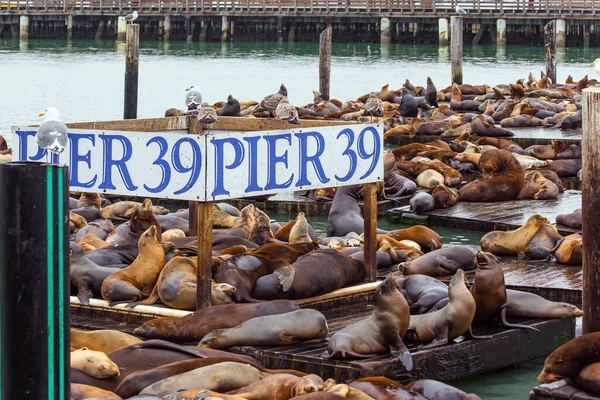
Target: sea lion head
(159,210)
(386,290)
(486,260)
(388,160)
(456,283)
(90,199)
(262,219)
(158,328)
(538,220)
(308,384)
(75,250)
(211,339)
(94,363)
(299,232)
(142,218)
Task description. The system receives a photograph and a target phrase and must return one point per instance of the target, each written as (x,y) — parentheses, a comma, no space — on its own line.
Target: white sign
(222,165)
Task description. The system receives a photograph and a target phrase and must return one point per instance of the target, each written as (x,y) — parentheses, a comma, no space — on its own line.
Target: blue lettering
(108,162)
(219,145)
(273,159)
(163,146)
(374,155)
(253,164)
(23,136)
(76,158)
(350,153)
(314,159)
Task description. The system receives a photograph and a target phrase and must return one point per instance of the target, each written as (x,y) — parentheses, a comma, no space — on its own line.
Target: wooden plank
(370,231)
(204,257)
(559,390)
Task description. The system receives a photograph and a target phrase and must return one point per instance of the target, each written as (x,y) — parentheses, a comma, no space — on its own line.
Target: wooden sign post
(325,61)
(370,235)
(550,47)
(132,60)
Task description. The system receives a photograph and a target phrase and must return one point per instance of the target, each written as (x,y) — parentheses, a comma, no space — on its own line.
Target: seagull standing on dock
(206,114)
(374,106)
(460,11)
(270,102)
(596,65)
(131,17)
(193,99)
(52,133)
(287,112)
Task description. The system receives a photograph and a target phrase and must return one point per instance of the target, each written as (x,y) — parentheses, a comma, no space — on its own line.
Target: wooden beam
(550,46)
(325,61)
(132,60)
(456,49)
(370,235)
(590,152)
(204,257)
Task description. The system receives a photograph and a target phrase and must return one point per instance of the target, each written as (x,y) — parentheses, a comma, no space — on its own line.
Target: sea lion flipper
(399,350)
(285,275)
(449,264)
(436,342)
(509,325)
(469,335)
(84,294)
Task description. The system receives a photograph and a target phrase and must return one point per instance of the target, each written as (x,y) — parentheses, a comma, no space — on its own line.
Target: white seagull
(52,133)
(193,99)
(596,65)
(131,17)
(460,10)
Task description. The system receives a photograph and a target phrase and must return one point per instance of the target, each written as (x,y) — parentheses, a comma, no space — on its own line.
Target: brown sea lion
(93,363)
(512,243)
(573,151)
(537,187)
(123,210)
(441,262)
(280,387)
(480,127)
(570,358)
(88,206)
(81,392)
(77,220)
(137,280)
(587,379)
(546,152)
(141,219)
(450,322)
(86,275)
(345,215)
(444,196)
(500,143)
(570,251)
(105,341)
(551,176)
(242,228)
(172,233)
(381,332)
(382,388)
(101,228)
(299,232)
(348,392)
(427,238)
(530,305)
(91,240)
(397,184)
(422,292)
(319,396)
(283,233)
(195,326)
(468,157)
(409,151)
(564,168)
(435,390)
(572,220)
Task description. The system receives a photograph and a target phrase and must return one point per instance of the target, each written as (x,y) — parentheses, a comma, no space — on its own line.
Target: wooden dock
(490,216)
(560,390)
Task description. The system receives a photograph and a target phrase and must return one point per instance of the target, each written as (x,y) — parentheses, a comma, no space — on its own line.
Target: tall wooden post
(370,235)
(131,71)
(325,61)
(550,46)
(204,257)
(456,49)
(590,189)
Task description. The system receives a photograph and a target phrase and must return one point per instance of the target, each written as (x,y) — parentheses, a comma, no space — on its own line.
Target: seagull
(52,133)
(206,114)
(270,102)
(131,17)
(596,65)
(193,99)
(374,106)
(287,112)
(460,10)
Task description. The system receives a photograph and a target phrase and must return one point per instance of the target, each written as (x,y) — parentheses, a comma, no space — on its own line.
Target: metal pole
(131,71)
(34,282)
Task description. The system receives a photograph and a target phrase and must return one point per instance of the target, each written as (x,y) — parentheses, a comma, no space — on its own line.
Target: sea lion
(572,220)
(345,214)
(564,168)
(480,127)
(169,222)
(142,218)
(427,238)
(450,322)
(422,292)
(105,341)
(88,206)
(195,326)
(77,220)
(382,388)
(173,233)
(137,280)
(93,363)
(441,262)
(430,179)
(444,196)
(431,93)
(435,390)
(271,330)
(544,243)
(500,143)
(587,379)
(86,275)
(397,184)
(409,151)
(306,277)
(81,392)
(546,152)
(348,392)
(101,228)
(381,332)
(109,256)
(570,358)
(283,233)
(422,202)
(518,121)
(530,305)
(280,387)
(570,251)
(242,228)
(468,157)
(231,109)
(221,377)
(512,243)
(319,396)
(123,210)
(537,187)
(299,232)
(572,151)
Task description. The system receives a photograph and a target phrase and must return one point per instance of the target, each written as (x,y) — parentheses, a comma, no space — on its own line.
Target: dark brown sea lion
(573,151)
(544,243)
(546,152)
(570,251)
(441,262)
(307,278)
(382,388)
(551,176)
(195,326)
(409,151)
(588,379)
(86,275)
(512,243)
(381,332)
(80,392)
(397,184)
(502,179)
(480,127)
(570,358)
(427,238)
(137,280)
(572,220)
(564,168)
(537,187)
(271,330)
(519,121)
(450,322)
(422,292)
(108,256)
(458,104)
(345,215)
(435,390)
(422,202)
(444,196)
(431,93)
(141,219)
(530,305)
(88,206)
(100,228)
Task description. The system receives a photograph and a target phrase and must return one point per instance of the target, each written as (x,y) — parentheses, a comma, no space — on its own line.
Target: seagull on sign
(52,133)
(596,65)
(131,17)
(460,11)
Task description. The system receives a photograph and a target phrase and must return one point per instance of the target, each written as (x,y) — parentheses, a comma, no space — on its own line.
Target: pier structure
(497,22)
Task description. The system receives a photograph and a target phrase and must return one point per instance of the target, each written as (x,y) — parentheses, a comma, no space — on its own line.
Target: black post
(34,282)
(550,46)
(131,71)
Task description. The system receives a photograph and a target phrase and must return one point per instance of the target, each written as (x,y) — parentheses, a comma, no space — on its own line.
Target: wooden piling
(456,48)
(550,46)
(204,257)
(590,152)
(370,234)
(132,59)
(325,61)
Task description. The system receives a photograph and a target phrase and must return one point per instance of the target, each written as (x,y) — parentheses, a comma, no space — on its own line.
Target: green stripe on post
(50,279)
(61,288)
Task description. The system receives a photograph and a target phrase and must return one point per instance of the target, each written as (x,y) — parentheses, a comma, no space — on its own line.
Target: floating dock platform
(560,390)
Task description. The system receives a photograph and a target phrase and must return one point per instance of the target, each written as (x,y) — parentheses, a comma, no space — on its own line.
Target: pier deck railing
(342,8)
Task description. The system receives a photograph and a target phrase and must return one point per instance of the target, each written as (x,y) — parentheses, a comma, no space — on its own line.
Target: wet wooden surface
(490,216)
(560,390)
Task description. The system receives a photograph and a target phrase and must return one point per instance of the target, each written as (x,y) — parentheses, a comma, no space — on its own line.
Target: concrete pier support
(167,28)
(280,29)
(188,29)
(121,29)
(203,30)
(443,32)
(501,32)
(161,29)
(586,37)
(24,27)
(224,28)
(385,31)
(100,30)
(561,29)
(292,33)
(69,27)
